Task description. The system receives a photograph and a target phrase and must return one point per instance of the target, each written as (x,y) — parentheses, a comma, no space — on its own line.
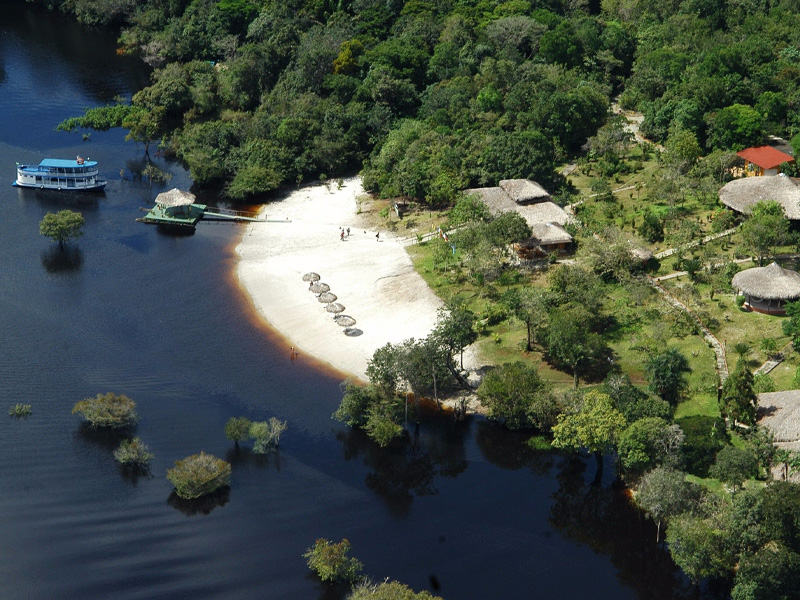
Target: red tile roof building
(764,160)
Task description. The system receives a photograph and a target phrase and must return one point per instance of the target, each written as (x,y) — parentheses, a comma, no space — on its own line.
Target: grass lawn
(643,322)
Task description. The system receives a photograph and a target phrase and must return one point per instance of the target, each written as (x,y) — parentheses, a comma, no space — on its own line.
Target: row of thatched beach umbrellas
(325,296)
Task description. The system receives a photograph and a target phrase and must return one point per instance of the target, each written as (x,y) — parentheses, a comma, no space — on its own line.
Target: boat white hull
(96,186)
(60,174)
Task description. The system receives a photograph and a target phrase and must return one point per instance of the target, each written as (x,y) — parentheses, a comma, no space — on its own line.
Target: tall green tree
(772,573)
(518,397)
(736,127)
(700,544)
(738,401)
(594,424)
(765,229)
(734,466)
(571,344)
(647,443)
(528,304)
(666,374)
(454,330)
(791,326)
(664,493)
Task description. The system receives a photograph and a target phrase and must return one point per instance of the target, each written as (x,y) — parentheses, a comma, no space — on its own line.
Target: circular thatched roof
(772,282)
(743,194)
(175,197)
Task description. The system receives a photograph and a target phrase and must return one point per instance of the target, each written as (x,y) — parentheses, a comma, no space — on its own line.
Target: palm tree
(692,266)
(742,349)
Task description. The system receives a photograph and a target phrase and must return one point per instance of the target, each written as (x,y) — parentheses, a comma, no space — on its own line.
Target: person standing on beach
(377,236)
(341,235)
(348,232)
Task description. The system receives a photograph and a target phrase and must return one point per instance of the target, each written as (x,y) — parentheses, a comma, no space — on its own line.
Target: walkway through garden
(719,350)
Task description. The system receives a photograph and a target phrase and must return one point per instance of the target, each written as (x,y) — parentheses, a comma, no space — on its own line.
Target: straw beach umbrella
(319,287)
(334,307)
(344,320)
(311,277)
(327,298)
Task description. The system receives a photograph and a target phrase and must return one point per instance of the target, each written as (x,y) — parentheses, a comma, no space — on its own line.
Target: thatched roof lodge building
(767,289)
(780,413)
(524,191)
(742,195)
(532,202)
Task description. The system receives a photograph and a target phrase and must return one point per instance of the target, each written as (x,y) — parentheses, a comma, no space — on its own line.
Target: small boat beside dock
(176,209)
(60,174)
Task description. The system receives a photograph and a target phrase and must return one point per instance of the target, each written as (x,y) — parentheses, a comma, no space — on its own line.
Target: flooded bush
(133,453)
(267,434)
(198,475)
(331,563)
(237,429)
(107,410)
(20,410)
(388,590)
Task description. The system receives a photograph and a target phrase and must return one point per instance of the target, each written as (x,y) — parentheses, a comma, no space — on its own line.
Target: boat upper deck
(62,166)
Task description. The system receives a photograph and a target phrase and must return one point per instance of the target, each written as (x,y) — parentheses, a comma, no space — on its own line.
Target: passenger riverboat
(60,174)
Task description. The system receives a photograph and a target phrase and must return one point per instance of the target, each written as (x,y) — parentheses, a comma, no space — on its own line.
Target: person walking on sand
(377,236)
(341,235)
(348,232)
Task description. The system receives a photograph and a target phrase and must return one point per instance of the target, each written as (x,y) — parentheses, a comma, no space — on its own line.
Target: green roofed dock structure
(176,209)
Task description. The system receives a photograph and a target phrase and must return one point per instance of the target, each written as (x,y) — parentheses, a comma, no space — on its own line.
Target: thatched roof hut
(524,191)
(175,197)
(494,198)
(780,413)
(767,289)
(497,200)
(546,219)
(743,194)
(549,234)
(545,212)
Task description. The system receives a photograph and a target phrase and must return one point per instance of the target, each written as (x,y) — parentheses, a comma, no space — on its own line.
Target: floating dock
(188,215)
(176,209)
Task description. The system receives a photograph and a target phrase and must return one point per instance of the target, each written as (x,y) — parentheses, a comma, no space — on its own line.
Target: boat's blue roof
(60,162)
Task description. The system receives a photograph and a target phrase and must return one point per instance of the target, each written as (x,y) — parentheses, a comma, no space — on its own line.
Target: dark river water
(460,509)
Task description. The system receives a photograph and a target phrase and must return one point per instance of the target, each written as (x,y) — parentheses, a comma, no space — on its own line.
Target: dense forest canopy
(428,98)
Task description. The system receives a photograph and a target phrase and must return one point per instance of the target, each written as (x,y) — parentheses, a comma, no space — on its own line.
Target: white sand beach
(373,279)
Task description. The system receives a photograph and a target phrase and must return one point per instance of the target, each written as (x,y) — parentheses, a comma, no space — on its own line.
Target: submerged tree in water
(62,226)
(107,410)
(330,561)
(199,475)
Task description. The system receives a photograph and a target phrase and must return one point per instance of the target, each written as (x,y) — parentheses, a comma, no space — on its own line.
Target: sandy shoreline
(374,279)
